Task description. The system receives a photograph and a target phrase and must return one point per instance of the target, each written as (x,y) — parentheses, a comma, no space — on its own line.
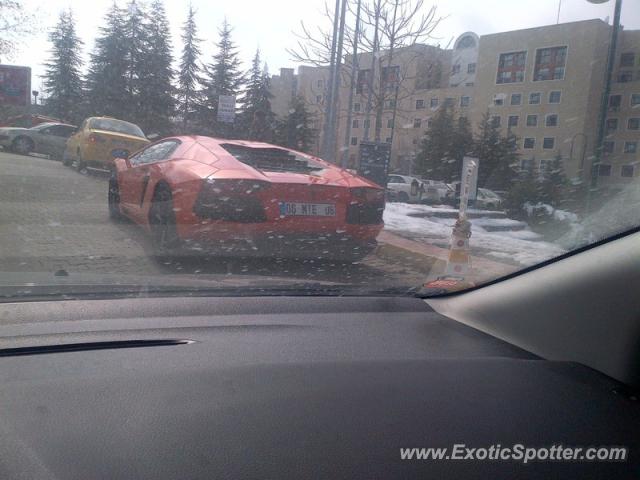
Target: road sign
(15,85)
(226,108)
(374,161)
(468,183)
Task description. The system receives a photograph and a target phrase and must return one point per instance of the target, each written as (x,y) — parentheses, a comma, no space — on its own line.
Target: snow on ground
(515,246)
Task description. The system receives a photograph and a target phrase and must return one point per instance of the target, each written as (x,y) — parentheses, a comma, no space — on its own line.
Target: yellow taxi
(101,139)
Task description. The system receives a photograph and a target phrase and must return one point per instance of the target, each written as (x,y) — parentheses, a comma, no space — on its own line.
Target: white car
(488,199)
(407,189)
(434,191)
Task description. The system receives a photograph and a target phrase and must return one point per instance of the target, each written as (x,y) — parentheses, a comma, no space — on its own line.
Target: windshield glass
(350,147)
(111,125)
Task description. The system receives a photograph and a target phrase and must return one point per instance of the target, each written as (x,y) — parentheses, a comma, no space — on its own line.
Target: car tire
(66,159)
(162,223)
(403,197)
(81,165)
(22,145)
(113,198)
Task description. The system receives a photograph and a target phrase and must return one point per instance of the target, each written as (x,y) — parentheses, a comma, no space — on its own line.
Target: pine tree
(189,75)
(296,130)
(107,78)
(256,117)
(223,77)
(497,155)
(445,144)
(554,184)
(63,82)
(135,59)
(155,90)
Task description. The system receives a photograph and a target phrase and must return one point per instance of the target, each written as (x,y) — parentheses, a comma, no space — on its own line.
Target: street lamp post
(611,60)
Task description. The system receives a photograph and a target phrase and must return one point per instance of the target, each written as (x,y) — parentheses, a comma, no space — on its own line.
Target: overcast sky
(269,24)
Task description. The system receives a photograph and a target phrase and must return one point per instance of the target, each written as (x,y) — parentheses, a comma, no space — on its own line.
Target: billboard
(374,161)
(15,86)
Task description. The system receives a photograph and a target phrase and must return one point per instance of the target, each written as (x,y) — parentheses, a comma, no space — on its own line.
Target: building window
(532,120)
(471,68)
(429,123)
(511,67)
(550,63)
(355,124)
(419,104)
(551,120)
(417,123)
(635,99)
(469,84)
(608,146)
(389,122)
(498,100)
(611,125)
(630,147)
(516,99)
(367,123)
(513,120)
(526,164)
(387,140)
(363,80)
(414,141)
(627,59)
(625,76)
(433,103)
(633,124)
(626,171)
(356,107)
(495,121)
(449,102)
(604,170)
(534,98)
(320,83)
(548,143)
(464,101)
(529,143)
(390,104)
(554,96)
(390,77)
(614,102)
(354,140)
(455,69)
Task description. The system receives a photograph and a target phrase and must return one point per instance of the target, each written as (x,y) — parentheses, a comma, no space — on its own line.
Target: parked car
(28,121)
(45,138)
(227,197)
(434,191)
(485,198)
(101,139)
(488,199)
(408,189)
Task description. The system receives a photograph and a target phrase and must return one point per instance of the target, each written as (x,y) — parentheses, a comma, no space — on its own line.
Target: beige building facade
(542,84)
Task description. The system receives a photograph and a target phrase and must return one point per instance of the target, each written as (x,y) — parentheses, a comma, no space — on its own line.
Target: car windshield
(117,126)
(354,147)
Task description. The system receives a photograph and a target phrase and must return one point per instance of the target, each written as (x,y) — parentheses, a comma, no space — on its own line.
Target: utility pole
(335,89)
(328,99)
(372,71)
(354,73)
(604,105)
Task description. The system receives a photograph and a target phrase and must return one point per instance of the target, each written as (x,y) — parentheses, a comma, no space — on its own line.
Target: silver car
(46,138)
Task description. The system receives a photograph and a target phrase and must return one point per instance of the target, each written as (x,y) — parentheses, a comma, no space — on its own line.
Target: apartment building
(543,84)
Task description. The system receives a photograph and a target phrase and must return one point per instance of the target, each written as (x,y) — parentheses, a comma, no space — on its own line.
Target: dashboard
(286,387)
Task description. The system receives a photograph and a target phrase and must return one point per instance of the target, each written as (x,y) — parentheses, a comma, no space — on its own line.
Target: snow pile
(515,246)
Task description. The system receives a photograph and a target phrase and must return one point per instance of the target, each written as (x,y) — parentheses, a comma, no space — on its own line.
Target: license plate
(296,209)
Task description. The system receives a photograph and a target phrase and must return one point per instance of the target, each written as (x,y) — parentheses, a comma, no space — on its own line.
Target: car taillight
(366,194)
(231,200)
(93,138)
(366,206)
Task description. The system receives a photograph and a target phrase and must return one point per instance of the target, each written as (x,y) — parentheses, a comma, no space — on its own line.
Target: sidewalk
(432,259)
